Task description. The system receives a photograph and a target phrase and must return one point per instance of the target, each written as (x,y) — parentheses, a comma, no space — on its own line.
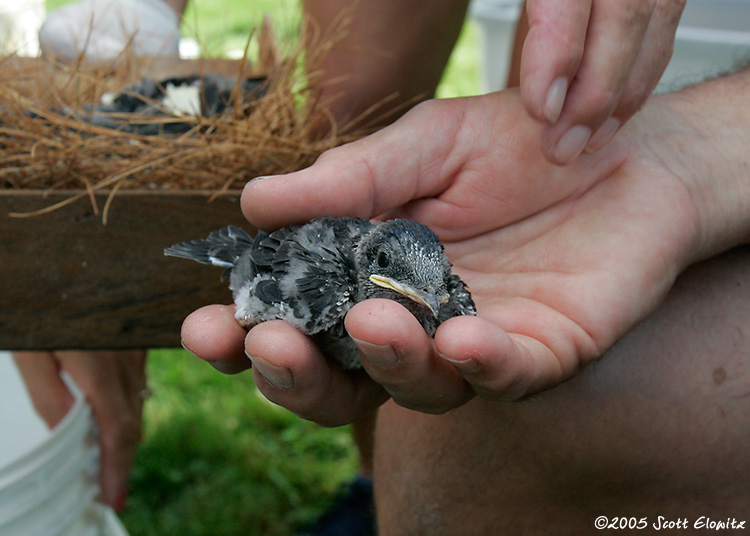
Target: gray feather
(220,248)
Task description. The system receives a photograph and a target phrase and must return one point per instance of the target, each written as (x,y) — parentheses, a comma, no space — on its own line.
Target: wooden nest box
(86,210)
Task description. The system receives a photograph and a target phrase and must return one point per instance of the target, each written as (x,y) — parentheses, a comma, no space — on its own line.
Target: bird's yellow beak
(431,301)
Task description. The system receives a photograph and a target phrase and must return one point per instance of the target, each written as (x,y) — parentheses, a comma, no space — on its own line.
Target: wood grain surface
(69,281)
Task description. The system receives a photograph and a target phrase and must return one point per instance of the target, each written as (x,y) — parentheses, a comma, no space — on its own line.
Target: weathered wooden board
(68,281)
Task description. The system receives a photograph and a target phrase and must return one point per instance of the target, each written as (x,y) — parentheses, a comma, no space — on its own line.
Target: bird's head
(405,261)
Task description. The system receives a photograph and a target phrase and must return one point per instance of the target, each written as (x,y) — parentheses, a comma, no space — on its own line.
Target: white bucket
(48,479)
(20,21)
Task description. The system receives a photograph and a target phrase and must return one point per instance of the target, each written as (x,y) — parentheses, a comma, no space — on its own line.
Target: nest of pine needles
(47,142)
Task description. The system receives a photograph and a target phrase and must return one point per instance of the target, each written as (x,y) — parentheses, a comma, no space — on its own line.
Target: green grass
(217,458)
(461,77)
(221,26)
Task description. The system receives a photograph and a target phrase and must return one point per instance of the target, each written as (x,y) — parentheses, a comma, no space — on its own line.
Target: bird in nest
(311,275)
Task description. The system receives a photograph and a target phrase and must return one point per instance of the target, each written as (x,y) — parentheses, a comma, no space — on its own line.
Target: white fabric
(103,29)
(19,26)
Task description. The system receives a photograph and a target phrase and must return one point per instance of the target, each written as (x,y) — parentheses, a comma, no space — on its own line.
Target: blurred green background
(217,458)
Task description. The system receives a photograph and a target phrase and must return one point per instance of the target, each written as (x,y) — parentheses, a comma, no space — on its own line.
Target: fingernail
(466,365)
(571,144)
(603,135)
(262,178)
(222,366)
(228,367)
(555,99)
(279,377)
(256,180)
(188,350)
(381,356)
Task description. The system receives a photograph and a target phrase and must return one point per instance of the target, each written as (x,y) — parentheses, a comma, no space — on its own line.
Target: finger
(50,396)
(552,54)
(613,42)
(652,60)
(290,371)
(364,178)
(399,355)
(497,365)
(112,383)
(212,333)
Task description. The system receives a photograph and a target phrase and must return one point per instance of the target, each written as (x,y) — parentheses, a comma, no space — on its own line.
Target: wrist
(705,143)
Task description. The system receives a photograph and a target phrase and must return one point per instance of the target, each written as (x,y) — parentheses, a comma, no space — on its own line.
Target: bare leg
(657,427)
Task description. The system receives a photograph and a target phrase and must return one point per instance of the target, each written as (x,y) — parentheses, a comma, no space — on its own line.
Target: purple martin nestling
(310,275)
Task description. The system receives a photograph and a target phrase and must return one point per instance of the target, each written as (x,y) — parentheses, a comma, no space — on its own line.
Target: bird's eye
(384,260)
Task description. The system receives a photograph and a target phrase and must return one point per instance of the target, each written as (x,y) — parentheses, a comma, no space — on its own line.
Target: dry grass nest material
(43,146)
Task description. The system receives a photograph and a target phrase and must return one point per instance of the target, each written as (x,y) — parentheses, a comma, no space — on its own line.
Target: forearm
(178,6)
(392,52)
(709,150)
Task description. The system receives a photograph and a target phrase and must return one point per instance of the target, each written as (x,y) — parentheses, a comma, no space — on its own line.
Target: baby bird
(310,275)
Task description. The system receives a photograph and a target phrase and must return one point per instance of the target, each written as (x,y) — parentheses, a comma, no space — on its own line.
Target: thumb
(364,178)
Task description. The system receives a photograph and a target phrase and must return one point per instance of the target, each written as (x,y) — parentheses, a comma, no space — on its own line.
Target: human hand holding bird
(561,261)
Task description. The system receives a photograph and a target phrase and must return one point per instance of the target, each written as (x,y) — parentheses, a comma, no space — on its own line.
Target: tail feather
(219,248)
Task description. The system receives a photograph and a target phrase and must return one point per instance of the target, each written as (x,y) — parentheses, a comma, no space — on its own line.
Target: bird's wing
(459,303)
(313,266)
(220,248)
(266,245)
